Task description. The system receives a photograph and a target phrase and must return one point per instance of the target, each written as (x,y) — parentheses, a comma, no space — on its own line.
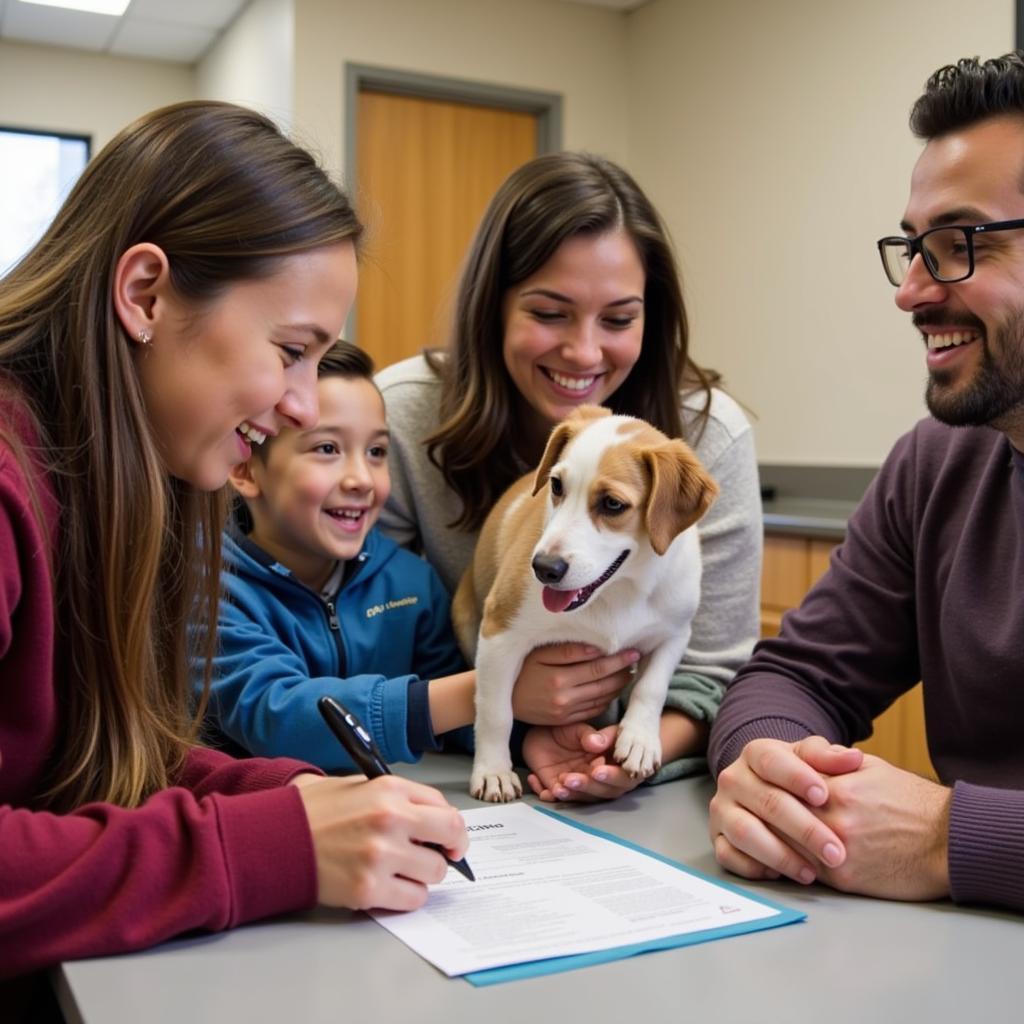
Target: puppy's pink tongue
(558,600)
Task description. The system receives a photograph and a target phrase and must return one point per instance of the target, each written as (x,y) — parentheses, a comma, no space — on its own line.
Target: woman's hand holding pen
(368,838)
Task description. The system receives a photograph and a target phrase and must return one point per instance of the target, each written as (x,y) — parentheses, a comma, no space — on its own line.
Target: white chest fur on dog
(597,547)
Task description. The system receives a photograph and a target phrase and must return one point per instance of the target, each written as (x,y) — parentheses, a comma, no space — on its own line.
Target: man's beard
(995,390)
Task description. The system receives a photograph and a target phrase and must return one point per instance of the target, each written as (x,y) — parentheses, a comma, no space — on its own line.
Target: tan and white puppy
(595,547)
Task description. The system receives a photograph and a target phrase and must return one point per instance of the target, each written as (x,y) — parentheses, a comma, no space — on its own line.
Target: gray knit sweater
(726,626)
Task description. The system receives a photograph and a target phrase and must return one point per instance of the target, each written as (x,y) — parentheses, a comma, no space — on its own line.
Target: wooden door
(426,170)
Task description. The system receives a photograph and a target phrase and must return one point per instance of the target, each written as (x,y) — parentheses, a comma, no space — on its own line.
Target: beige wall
(88,94)
(773,137)
(251,63)
(572,49)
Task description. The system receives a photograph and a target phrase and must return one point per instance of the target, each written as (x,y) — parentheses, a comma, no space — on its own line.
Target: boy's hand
(561,684)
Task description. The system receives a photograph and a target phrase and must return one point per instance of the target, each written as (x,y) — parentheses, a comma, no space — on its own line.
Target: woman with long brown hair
(570,294)
(170,318)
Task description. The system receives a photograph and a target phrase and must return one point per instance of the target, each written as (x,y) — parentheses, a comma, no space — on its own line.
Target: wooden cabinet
(792,564)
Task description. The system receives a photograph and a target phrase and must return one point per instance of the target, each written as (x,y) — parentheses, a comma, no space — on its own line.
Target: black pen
(361,748)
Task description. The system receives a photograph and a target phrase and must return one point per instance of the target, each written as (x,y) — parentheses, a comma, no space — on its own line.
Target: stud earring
(145,338)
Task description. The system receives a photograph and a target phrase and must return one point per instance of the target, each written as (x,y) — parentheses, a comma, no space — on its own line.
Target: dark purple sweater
(923,588)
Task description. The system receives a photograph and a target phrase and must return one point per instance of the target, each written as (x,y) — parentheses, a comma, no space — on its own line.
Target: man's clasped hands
(816,811)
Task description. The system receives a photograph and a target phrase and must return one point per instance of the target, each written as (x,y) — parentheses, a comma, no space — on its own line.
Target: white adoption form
(545,888)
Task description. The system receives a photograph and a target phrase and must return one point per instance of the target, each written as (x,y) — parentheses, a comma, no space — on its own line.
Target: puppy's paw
(496,787)
(638,753)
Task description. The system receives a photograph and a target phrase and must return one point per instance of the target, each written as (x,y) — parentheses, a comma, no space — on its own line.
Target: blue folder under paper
(555,965)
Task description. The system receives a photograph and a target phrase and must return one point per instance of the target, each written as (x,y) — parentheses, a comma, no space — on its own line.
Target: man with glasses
(924,586)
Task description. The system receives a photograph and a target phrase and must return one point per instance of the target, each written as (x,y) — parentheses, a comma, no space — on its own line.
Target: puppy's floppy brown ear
(681,492)
(561,435)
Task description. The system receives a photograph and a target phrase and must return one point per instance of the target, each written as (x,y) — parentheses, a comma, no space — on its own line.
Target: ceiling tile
(140,38)
(207,13)
(57,27)
(177,30)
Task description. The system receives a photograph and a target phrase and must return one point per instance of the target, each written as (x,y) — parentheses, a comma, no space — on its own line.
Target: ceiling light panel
(112,7)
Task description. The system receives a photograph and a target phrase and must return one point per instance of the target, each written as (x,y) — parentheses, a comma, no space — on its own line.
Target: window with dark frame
(37,170)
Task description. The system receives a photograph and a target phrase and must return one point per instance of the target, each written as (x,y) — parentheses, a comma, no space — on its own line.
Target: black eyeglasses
(948,253)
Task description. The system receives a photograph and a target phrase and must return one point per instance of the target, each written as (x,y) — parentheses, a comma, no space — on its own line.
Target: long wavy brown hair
(539,206)
(137,554)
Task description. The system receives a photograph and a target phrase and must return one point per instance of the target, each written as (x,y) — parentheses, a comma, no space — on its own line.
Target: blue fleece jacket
(282,647)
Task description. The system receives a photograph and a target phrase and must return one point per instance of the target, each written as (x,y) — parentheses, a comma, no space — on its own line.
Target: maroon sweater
(924,587)
(229,844)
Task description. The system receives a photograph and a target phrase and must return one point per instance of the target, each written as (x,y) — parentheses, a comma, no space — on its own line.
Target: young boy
(318,602)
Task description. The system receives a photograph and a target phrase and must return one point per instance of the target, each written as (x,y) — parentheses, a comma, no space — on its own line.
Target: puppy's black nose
(549,568)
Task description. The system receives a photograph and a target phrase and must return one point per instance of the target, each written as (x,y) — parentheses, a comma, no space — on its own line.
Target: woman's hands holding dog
(558,684)
(562,684)
(368,836)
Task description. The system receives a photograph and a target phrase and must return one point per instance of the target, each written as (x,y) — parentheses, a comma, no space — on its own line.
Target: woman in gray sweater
(571,294)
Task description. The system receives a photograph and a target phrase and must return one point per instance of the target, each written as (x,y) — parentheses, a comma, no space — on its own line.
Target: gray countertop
(808,517)
(811,501)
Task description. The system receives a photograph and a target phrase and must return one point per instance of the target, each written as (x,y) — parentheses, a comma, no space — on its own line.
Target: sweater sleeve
(850,649)
(207,771)
(725,627)
(264,698)
(986,846)
(105,880)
